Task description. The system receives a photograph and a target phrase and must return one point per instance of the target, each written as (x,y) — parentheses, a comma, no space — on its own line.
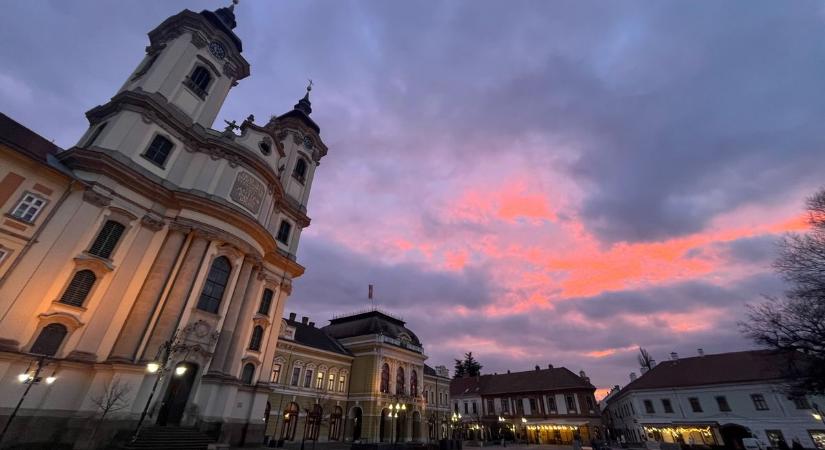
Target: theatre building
(361,378)
(715,399)
(153,259)
(542,406)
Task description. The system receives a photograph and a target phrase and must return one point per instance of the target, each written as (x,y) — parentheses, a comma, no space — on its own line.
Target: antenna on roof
(371,299)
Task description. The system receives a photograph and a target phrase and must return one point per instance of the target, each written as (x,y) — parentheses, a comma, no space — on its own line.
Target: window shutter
(79,288)
(106,240)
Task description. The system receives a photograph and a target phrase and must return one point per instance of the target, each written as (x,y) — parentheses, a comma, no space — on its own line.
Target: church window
(385,378)
(413,384)
(257,337)
(400,381)
(266,302)
(29,207)
(248,373)
(283,232)
(96,134)
(158,151)
(213,288)
(199,81)
(106,240)
(49,340)
(79,288)
(300,172)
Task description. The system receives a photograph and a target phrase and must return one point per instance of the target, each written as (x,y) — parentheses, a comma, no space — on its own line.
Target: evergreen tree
(471,366)
(459,369)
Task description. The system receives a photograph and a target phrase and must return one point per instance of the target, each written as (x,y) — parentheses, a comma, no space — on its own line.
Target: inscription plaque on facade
(248,192)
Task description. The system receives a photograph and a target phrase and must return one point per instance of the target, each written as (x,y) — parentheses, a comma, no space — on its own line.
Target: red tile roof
(721,368)
(25,141)
(528,381)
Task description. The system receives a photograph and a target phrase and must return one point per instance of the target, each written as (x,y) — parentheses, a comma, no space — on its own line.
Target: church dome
(368,323)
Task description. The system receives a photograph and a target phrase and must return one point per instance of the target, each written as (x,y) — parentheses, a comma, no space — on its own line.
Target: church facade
(153,259)
(361,378)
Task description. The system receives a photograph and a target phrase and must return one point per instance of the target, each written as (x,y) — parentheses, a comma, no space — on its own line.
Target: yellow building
(155,239)
(362,378)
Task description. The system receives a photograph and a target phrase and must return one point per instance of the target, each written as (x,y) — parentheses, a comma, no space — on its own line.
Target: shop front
(684,433)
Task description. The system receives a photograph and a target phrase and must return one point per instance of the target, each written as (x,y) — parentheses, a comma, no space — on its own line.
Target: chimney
(674,356)
(582,374)
(652,363)
(700,351)
(312,324)
(537,367)
(615,387)
(632,376)
(304,320)
(292,316)
(508,370)
(643,370)
(549,366)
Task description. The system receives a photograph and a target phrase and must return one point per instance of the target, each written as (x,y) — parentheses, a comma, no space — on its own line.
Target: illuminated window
(319,380)
(341,383)
(331,382)
(276,373)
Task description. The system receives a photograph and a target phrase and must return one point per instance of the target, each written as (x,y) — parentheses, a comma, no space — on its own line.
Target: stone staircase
(172,438)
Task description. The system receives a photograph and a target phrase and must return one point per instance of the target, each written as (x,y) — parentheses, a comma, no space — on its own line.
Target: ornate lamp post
(398,407)
(456,422)
(29,378)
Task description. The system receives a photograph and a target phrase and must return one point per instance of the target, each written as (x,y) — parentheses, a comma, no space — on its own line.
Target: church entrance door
(177,394)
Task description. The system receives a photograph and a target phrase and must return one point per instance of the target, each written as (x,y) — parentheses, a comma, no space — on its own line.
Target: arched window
(300,172)
(199,81)
(248,373)
(290,422)
(266,302)
(210,299)
(257,337)
(106,240)
(400,381)
(49,340)
(413,384)
(335,420)
(313,423)
(385,378)
(79,288)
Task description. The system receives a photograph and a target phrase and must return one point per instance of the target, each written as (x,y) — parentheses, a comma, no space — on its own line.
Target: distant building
(344,381)
(713,400)
(542,406)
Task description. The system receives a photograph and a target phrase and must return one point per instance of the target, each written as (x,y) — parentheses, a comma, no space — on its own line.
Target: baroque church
(150,263)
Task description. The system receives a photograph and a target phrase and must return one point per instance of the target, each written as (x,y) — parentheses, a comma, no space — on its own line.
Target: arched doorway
(383,427)
(732,435)
(401,427)
(177,394)
(416,426)
(290,422)
(356,423)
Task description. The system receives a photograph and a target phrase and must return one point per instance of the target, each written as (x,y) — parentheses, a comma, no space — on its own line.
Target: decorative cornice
(96,198)
(96,264)
(153,222)
(281,125)
(286,286)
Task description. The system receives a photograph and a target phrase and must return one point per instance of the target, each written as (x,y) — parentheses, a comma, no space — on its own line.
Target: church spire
(304,105)
(227,15)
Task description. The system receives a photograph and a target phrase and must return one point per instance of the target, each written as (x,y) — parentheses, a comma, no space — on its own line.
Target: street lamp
(28,378)
(818,414)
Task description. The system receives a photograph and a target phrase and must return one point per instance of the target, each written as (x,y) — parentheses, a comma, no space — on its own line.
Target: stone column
(248,272)
(243,322)
(138,319)
(176,300)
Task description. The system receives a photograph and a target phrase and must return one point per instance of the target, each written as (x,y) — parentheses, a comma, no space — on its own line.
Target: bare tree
(795,323)
(112,397)
(644,358)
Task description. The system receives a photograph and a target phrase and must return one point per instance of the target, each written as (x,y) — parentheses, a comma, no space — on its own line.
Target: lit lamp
(23,377)
(152,367)
(523,420)
(180,370)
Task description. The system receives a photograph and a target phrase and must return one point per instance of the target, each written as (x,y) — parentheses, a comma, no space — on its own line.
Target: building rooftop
(720,368)
(307,334)
(368,323)
(527,381)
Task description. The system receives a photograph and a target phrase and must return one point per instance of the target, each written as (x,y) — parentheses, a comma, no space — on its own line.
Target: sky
(538,182)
